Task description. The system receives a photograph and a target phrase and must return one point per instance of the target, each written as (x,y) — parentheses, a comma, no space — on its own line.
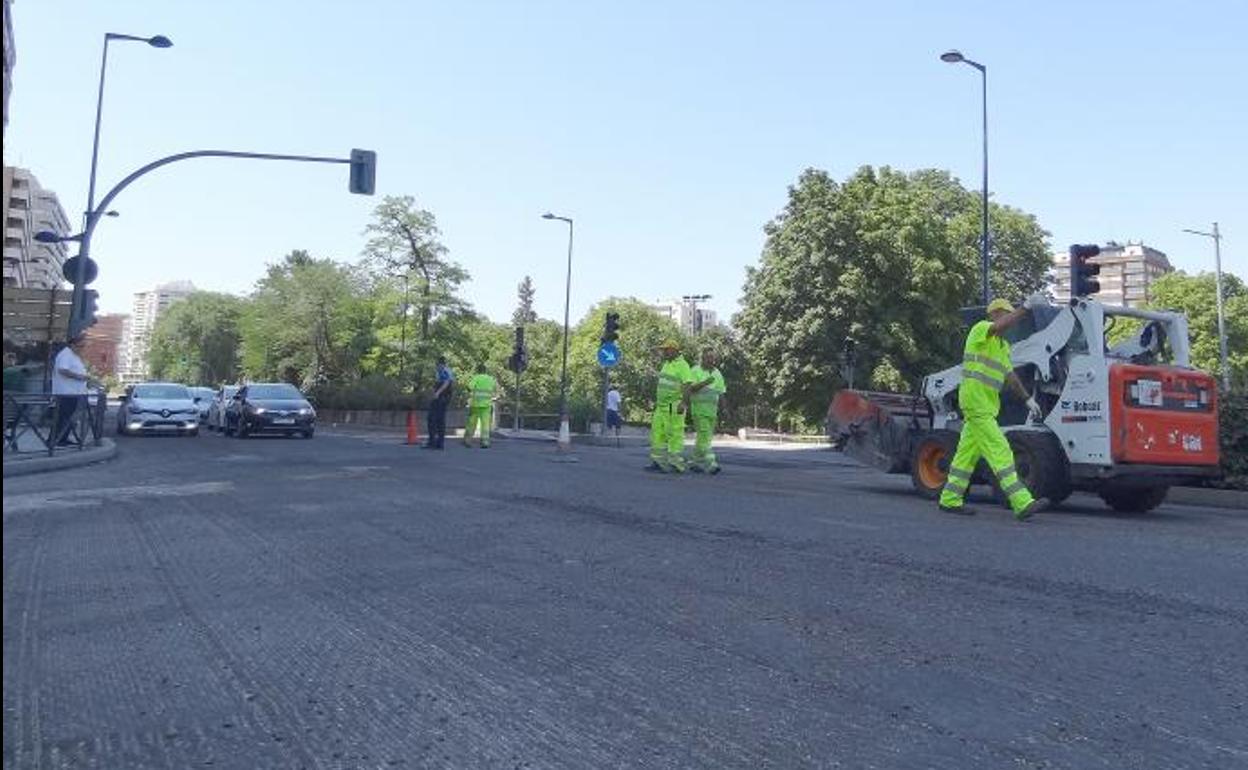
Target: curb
(1213,498)
(107,450)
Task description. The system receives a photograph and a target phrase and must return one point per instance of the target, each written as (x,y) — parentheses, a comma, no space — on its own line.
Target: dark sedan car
(269,407)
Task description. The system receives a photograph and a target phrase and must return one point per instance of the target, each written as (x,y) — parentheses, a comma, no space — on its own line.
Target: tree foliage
(636,376)
(1196,297)
(403,243)
(308,322)
(524,314)
(886,258)
(196,341)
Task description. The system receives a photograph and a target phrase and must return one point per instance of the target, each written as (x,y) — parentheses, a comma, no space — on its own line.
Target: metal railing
(37,423)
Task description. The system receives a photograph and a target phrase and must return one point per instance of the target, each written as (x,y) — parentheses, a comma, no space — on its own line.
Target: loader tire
(1041,465)
(929,463)
(1133,499)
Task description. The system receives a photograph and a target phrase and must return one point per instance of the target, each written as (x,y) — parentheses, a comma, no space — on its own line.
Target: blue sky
(669,130)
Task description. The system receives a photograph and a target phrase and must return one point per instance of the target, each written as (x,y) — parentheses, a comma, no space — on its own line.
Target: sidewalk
(34,459)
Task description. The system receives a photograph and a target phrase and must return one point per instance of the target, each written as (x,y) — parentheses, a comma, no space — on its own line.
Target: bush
(374,392)
(1233,424)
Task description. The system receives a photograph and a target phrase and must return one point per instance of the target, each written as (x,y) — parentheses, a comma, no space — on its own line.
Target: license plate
(284,421)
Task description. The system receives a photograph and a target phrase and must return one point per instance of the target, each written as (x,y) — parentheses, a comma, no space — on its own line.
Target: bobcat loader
(1124,422)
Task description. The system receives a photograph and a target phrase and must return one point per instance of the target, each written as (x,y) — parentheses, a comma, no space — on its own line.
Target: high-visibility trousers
(981,437)
(704,431)
(479,415)
(667,436)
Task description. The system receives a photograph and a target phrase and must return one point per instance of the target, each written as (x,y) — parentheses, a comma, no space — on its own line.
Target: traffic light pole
(94,215)
(515,419)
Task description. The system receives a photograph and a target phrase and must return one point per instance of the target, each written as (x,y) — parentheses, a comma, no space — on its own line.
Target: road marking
(79,498)
(346,471)
(847,524)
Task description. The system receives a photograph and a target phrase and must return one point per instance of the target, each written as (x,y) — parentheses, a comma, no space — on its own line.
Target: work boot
(485,446)
(714,471)
(656,468)
(960,510)
(1035,506)
(696,468)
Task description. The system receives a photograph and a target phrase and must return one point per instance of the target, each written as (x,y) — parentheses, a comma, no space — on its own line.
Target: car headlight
(305,410)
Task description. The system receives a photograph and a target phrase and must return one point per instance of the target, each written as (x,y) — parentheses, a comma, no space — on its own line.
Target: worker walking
(481,394)
(704,395)
(986,369)
(667,427)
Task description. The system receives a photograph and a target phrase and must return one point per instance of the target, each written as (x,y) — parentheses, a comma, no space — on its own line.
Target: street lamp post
(564,430)
(1216,235)
(956,57)
(159,41)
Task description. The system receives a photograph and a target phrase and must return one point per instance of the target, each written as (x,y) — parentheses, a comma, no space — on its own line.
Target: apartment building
(1127,272)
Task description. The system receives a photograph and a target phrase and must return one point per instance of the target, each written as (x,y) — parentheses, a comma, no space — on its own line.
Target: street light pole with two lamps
(76,309)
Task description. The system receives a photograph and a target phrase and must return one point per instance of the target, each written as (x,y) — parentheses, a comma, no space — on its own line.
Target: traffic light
(1083,271)
(611,328)
(363,172)
(519,360)
(85,318)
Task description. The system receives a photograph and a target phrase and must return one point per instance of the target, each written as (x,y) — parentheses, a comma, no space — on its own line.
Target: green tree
(403,243)
(196,341)
(1196,297)
(641,331)
(308,322)
(524,314)
(737,408)
(886,258)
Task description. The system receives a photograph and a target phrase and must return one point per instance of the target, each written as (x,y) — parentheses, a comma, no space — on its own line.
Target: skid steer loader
(1125,422)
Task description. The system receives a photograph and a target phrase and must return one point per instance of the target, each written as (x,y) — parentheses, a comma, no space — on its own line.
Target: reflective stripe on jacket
(985,366)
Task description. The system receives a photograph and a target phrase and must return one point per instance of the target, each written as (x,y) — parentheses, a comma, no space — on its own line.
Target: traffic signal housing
(519,360)
(611,328)
(363,172)
(1083,271)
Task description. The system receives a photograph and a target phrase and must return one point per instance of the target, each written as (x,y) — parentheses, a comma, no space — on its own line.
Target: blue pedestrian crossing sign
(608,355)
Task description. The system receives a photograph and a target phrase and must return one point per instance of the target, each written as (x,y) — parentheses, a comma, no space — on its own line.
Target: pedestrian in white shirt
(69,386)
(613,411)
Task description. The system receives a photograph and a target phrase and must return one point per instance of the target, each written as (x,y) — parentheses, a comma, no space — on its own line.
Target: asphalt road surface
(349,602)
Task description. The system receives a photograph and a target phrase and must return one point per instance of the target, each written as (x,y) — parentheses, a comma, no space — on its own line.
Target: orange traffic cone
(413,432)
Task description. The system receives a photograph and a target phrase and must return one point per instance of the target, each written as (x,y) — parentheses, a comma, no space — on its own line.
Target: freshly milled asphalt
(351,602)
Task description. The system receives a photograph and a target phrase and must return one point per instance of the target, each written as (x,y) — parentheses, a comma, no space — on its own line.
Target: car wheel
(307,433)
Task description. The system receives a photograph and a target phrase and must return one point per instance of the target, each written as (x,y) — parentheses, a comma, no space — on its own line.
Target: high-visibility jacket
(481,390)
(985,365)
(674,375)
(706,400)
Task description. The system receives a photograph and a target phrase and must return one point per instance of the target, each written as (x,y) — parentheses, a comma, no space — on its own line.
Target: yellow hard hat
(1000,304)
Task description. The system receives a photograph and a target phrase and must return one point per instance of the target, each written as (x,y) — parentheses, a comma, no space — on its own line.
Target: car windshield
(229,392)
(279,391)
(161,391)
(201,393)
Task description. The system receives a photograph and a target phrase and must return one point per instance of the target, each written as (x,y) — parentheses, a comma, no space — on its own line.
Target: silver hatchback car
(158,407)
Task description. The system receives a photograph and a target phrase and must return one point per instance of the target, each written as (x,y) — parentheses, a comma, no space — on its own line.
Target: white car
(158,407)
(216,410)
(203,399)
